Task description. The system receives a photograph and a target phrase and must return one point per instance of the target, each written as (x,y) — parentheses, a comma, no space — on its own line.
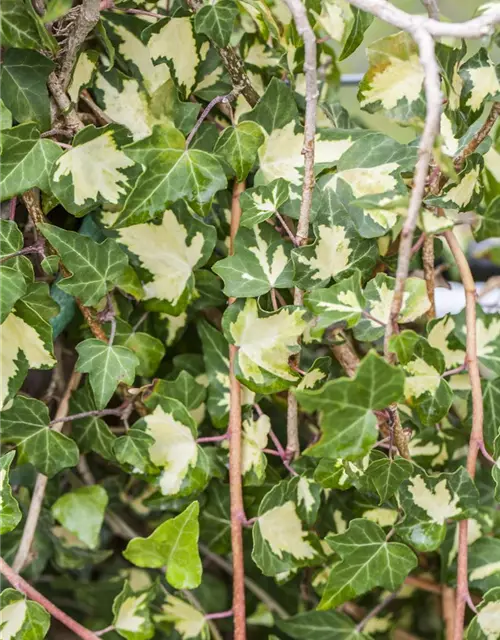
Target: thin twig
(235,456)
(24,587)
(12,208)
(429,274)
(448,607)
(476,437)
(423,584)
(218,99)
(376,610)
(304,29)
(432,8)
(101,115)
(24,549)
(287,228)
(88,414)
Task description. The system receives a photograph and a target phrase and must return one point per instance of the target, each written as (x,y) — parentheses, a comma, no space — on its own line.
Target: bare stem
(235,456)
(376,610)
(476,437)
(224,99)
(24,587)
(429,273)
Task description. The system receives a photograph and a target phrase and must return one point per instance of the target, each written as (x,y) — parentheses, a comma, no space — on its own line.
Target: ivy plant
(229,406)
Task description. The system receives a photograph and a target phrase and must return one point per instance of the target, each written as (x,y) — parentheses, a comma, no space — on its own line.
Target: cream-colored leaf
(462,193)
(398,80)
(422,378)
(382,517)
(188,621)
(175,42)
(332,251)
(94,167)
(255,434)
(438,503)
(82,75)
(485,571)
(16,335)
(174,449)
(484,83)
(174,325)
(487,337)
(334,17)
(272,267)
(304,494)
(259,56)
(128,107)
(129,617)
(438,338)
(489,620)
(366,181)
(266,342)
(164,250)
(282,530)
(12,619)
(450,143)
(311,378)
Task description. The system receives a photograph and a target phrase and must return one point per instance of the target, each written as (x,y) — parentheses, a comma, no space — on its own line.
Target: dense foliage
(167,182)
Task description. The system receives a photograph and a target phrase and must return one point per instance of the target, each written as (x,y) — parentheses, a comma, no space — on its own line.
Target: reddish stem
(219,615)
(220,438)
(12,208)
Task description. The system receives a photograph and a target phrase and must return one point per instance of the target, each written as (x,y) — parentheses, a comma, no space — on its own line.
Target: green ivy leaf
(22,619)
(94,266)
(149,350)
(21,27)
(261,261)
(172,172)
(13,287)
(239,145)
(347,422)
(10,513)
(107,366)
(320,625)
(81,512)
(26,424)
(185,389)
(387,475)
(258,204)
(368,561)
(24,85)
(342,302)
(216,21)
(430,501)
(173,544)
(480,83)
(361,21)
(133,450)
(92,433)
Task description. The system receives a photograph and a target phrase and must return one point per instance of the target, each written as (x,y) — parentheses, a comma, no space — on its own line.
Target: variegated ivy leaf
(369,184)
(253,461)
(24,86)
(169,252)
(320,625)
(491,404)
(275,109)
(132,451)
(82,73)
(265,341)
(317,374)
(484,563)
(441,336)
(378,295)
(349,428)
(26,424)
(342,302)
(81,512)
(368,560)
(187,621)
(95,170)
(263,18)
(281,542)
(174,545)
(10,513)
(393,82)
(261,203)
(387,475)
(94,267)
(486,623)
(172,41)
(480,83)
(216,21)
(344,23)
(216,358)
(13,287)
(426,391)
(22,619)
(174,450)
(238,146)
(429,502)
(261,262)
(107,366)
(132,615)
(185,389)
(172,172)
(27,160)
(338,249)
(466,193)
(26,339)
(488,332)
(22,27)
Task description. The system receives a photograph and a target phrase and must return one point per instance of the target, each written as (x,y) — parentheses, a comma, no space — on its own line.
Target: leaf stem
(219,615)
(12,208)
(24,587)
(376,610)
(224,99)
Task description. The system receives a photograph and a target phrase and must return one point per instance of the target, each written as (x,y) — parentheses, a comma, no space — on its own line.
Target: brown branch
(432,8)
(101,115)
(424,584)
(448,607)
(66,107)
(23,552)
(304,29)
(218,99)
(235,453)
(480,135)
(429,273)
(376,610)
(24,587)
(476,438)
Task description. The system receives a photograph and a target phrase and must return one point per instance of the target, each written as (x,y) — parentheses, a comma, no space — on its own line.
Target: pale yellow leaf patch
(188,621)
(16,335)
(81,75)
(438,503)
(332,253)
(464,190)
(94,167)
(485,571)
(282,530)
(450,143)
(333,18)
(398,80)
(382,517)
(484,83)
(12,619)
(174,325)
(176,42)
(311,378)
(367,181)
(304,494)
(128,618)
(259,56)
(487,337)
(164,251)
(438,338)
(474,532)
(255,434)
(489,620)
(174,449)
(274,266)
(423,378)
